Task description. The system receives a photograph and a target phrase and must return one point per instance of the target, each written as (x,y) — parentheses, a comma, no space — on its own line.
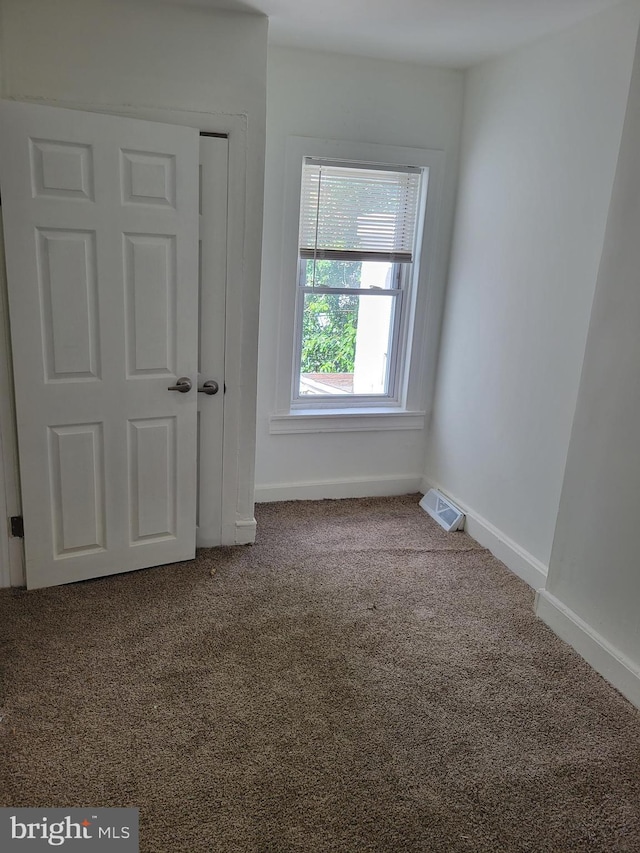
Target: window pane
(346,344)
(359,274)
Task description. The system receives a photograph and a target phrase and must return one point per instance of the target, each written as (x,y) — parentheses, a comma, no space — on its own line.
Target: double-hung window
(357,242)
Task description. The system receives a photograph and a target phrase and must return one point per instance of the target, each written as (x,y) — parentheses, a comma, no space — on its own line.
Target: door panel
(67,279)
(76,466)
(213,275)
(101,231)
(61,169)
(151,292)
(153,479)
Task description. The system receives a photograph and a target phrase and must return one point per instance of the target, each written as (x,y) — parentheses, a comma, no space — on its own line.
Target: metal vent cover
(442,510)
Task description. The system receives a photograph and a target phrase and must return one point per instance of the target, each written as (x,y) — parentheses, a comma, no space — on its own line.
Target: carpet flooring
(359,680)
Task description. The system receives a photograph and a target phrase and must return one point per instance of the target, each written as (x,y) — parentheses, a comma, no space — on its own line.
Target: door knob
(209,387)
(182,385)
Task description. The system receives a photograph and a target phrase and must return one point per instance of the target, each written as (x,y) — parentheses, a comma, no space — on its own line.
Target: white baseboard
(246,531)
(611,663)
(521,562)
(362,487)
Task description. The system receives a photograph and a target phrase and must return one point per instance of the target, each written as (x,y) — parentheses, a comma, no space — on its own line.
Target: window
(380,294)
(358,232)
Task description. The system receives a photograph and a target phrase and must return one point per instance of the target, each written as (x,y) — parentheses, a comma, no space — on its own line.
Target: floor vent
(447,514)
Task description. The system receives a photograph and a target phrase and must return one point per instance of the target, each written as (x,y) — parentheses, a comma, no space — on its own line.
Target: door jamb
(11,548)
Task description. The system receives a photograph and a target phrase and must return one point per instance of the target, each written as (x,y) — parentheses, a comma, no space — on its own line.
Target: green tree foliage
(329,333)
(330,321)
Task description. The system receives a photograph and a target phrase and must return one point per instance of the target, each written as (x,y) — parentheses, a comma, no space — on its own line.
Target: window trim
(337,420)
(420,325)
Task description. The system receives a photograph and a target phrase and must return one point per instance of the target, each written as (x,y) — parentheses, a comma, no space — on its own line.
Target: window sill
(345,420)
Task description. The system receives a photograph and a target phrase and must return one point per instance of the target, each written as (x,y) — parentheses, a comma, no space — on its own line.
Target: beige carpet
(358,680)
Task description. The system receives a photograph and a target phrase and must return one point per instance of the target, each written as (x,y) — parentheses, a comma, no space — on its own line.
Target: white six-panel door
(101,232)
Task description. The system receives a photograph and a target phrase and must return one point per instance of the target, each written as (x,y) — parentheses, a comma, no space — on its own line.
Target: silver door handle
(209,387)
(182,385)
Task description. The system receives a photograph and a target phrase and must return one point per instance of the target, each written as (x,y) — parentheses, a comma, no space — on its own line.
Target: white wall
(593,587)
(331,96)
(135,52)
(140,54)
(542,130)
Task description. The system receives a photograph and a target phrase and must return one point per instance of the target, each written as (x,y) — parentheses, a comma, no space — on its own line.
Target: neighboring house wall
(593,588)
(541,136)
(142,54)
(331,96)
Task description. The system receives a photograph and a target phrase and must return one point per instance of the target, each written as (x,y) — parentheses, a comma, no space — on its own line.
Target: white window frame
(406,407)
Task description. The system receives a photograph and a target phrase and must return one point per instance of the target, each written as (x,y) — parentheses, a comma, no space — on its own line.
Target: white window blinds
(358,212)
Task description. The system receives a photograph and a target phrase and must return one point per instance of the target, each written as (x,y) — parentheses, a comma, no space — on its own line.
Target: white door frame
(238,524)
(11,550)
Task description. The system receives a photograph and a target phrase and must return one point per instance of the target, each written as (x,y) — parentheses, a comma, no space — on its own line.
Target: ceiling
(454,33)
